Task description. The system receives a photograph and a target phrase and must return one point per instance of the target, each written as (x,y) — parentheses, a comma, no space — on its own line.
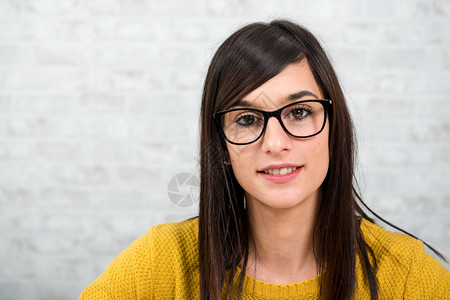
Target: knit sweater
(163,264)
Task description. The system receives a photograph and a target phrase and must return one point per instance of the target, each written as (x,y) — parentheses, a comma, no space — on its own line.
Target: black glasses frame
(268,114)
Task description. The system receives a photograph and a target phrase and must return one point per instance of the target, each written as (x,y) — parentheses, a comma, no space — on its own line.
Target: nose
(275,139)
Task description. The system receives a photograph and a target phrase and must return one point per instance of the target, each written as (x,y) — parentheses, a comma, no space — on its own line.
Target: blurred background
(99,109)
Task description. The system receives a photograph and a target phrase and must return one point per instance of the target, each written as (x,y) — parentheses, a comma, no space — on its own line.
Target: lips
(280,177)
(282,171)
(276,169)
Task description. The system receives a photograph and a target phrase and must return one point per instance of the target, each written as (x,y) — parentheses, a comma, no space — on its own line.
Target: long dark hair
(246,60)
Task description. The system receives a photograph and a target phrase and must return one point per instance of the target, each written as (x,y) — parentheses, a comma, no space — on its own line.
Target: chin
(286,198)
(282,202)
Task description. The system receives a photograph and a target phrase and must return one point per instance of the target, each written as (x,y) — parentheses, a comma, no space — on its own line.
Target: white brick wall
(99,105)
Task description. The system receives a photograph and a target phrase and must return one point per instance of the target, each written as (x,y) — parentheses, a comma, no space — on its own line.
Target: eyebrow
(291,97)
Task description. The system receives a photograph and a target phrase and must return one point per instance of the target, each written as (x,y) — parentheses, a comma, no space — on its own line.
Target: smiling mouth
(282,171)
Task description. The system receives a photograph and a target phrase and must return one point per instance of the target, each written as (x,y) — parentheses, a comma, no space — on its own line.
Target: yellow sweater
(163,264)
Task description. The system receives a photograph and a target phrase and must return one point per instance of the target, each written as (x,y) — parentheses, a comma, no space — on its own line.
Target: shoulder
(164,239)
(178,233)
(174,242)
(385,243)
(404,266)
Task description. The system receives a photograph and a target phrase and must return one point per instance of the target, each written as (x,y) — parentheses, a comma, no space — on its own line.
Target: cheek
(324,157)
(319,158)
(241,158)
(237,159)
(324,147)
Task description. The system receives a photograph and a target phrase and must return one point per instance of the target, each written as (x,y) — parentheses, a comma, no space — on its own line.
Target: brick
(129,80)
(63,55)
(64,222)
(21,173)
(442,8)
(101,127)
(127,55)
(421,204)
(49,6)
(431,33)
(374,82)
(63,198)
(402,155)
(347,58)
(380,181)
(61,289)
(164,103)
(10,290)
(430,131)
(10,55)
(79,175)
(177,56)
(103,7)
(35,126)
(156,152)
(444,154)
(66,269)
(60,30)
(385,204)
(11,30)
(174,8)
(35,79)
(187,80)
(49,244)
(191,31)
(4,151)
(16,197)
(137,7)
(125,199)
(424,82)
(102,102)
(386,131)
(105,247)
(398,58)
(131,225)
(129,29)
(10,7)
(140,176)
(113,152)
(14,151)
(433,108)
(5,102)
(39,102)
(421,227)
(389,109)
(57,151)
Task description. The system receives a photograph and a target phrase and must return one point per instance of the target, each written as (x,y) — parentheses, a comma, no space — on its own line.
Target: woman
(280,217)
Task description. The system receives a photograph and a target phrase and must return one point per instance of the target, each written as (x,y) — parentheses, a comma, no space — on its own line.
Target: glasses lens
(242,126)
(303,119)
(300,119)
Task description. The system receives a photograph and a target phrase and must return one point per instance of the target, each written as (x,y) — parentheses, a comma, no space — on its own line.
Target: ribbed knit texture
(163,264)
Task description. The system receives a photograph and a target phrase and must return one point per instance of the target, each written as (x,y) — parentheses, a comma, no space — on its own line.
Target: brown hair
(246,60)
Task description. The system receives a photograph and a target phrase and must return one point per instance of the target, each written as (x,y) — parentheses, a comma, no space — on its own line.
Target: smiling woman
(280,216)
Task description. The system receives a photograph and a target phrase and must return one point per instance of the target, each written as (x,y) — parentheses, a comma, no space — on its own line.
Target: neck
(282,251)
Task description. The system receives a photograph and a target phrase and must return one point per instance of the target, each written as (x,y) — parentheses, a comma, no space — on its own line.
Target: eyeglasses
(302,119)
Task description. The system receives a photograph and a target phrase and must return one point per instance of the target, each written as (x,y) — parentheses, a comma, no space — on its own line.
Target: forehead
(295,82)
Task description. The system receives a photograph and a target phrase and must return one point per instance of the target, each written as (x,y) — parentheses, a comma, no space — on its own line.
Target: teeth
(282,171)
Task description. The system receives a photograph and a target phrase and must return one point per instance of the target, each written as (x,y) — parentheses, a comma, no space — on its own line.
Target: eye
(246,120)
(300,113)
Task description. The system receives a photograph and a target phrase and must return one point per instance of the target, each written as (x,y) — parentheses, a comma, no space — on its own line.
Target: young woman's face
(276,148)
